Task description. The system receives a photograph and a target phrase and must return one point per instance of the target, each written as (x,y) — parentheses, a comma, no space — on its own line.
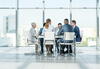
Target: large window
(57,15)
(7,27)
(28,11)
(26,17)
(57,3)
(86,20)
(84,4)
(8,3)
(30,4)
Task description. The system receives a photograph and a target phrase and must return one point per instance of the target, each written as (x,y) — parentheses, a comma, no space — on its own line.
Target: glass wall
(57,3)
(30,4)
(86,20)
(5,4)
(57,15)
(28,11)
(7,23)
(84,4)
(26,17)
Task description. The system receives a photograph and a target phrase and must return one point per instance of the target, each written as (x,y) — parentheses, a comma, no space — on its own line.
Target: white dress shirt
(46,30)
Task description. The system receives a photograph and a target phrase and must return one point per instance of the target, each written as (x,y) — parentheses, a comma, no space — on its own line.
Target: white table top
(41,36)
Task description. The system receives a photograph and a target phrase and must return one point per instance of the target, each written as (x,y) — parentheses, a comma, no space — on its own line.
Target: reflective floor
(23,58)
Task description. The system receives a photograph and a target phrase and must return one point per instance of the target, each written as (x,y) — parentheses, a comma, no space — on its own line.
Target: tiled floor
(22,58)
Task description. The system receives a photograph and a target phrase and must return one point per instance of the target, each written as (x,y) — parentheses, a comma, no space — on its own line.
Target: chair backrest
(49,36)
(69,36)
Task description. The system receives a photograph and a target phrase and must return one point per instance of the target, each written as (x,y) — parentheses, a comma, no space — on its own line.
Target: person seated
(51,29)
(76,30)
(33,36)
(57,30)
(46,29)
(41,39)
(65,28)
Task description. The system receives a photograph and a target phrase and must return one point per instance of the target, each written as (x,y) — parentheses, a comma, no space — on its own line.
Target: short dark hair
(44,24)
(74,21)
(67,20)
(48,20)
(59,23)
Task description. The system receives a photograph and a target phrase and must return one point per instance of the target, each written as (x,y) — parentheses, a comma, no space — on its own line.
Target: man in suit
(76,30)
(65,28)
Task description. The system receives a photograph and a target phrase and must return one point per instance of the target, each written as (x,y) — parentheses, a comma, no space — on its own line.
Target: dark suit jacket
(77,34)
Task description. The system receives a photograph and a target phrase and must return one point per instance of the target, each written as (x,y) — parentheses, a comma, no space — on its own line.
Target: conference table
(56,36)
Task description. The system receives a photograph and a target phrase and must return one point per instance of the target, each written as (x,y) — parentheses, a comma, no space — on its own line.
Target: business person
(57,30)
(33,36)
(46,29)
(65,28)
(51,29)
(76,30)
(42,39)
